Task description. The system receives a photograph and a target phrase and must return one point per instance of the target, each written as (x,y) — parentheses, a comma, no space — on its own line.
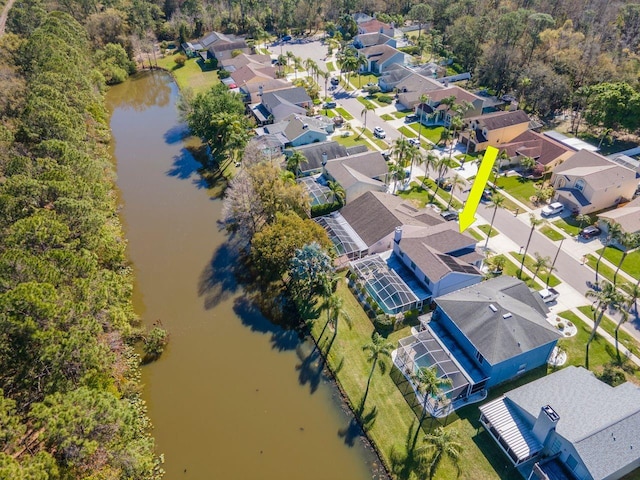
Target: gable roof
(436,96)
(370,39)
(498,338)
(532,144)
(291,96)
(253,73)
(214,37)
(627,216)
(379,53)
(497,120)
(244,59)
(298,126)
(363,167)
(313,154)
(224,46)
(598,171)
(602,422)
(374,215)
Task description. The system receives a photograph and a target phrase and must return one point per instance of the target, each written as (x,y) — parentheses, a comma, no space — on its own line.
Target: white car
(414,141)
(552,209)
(380,133)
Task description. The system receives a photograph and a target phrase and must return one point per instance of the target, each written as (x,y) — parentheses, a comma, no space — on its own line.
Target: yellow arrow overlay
(467,216)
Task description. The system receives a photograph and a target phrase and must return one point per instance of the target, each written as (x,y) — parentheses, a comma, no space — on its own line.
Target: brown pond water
(233,396)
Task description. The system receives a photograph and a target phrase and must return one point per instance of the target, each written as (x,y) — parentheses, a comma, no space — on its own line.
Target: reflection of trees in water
(142,91)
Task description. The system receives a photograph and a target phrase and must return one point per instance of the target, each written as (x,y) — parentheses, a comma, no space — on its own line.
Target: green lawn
(431,133)
(407,132)
(631,264)
(386,117)
(344,114)
(570,225)
(420,195)
(367,101)
(474,233)
(352,140)
(402,114)
(331,67)
(485,229)
(518,187)
(378,141)
(609,326)
(601,352)
(553,280)
(481,458)
(195,73)
(551,233)
(511,269)
(605,271)
(361,80)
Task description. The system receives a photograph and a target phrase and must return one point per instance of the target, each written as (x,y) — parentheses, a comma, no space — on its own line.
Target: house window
(522,368)
(480,358)
(580,185)
(571,462)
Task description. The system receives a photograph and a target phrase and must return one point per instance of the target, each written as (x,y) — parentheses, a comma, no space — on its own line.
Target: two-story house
(434,112)
(380,57)
(588,182)
(493,129)
(375,26)
(358,174)
(278,105)
(370,39)
(568,425)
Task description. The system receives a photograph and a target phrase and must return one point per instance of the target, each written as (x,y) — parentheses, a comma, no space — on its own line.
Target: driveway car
(379,132)
(330,105)
(411,118)
(335,81)
(552,209)
(444,183)
(449,215)
(414,141)
(590,232)
(487,193)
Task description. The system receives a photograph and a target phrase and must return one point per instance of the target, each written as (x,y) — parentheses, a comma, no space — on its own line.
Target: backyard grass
(195,73)
(432,133)
(344,114)
(631,264)
(518,187)
(485,229)
(553,280)
(386,117)
(570,225)
(475,234)
(392,416)
(551,233)
(609,326)
(604,271)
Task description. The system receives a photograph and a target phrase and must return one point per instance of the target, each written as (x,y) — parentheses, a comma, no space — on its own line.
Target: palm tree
(442,443)
(624,316)
(635,293)
(496,263)
(297,65)
(412,155)
(290,56)
(497,201)
(628,241)
(334,306)
(540,263)
(423,99)
(456,124)
(400,146)
(428,384)
(294,161)
(472,137)
(430,161)
(583,219)
(441,167)
(606,298)
(457,183)
(326,76)
(534,223)
(377,350)
(360,64)
(367,108)
(396,172)
(338,192)
(613,232)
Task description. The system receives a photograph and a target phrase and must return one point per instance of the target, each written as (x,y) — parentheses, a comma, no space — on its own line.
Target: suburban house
(493,129)
(297,130)
(317,154)
(271,145)
(358,174)
(233,64)
(413,87)
(371,39)
(568,425)
(276,106)
(375,26)
(192,48)
(224,50)
(393,75)
(478,337)
(434,112)
(441,258)
(588,182)
(627,216)
(381,57)
(544,150)
(253,91)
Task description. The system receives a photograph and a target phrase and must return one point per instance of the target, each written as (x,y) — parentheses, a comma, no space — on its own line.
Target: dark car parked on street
(590,232)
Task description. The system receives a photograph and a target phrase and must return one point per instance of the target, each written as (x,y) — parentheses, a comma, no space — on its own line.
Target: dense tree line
(69,397)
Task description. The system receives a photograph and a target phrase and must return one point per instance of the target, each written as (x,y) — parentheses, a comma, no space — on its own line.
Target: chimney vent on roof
(493,308)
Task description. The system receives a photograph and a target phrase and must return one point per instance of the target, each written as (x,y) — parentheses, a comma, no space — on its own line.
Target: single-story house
(224,50)
(568,425)
(588,182)
(277,105)
(478,337)
(392,75)
(414,86)
(381,57)
(544,150)
(627,216)
(358,174)
(434,112)
(233,64)
(493,129)
(376,26)
(192,48)
(370,39)
(441,258)
(317,154)
(271,145)
(253,73)
(253,91)
(298,130)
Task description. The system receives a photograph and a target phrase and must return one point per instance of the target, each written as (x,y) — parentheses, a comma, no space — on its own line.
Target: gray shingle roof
(497,120)
(313,154)
(602,422)
(495,337)
(628,216)
(432,262)
(374,215)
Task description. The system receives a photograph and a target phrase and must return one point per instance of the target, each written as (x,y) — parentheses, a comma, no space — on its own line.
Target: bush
(411,50)
(386,99)
(613,376)
(154,343)
(180,60)
(324,209)
(383,324)
(222,74)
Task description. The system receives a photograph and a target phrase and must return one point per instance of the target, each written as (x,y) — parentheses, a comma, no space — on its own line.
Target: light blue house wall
(310,136)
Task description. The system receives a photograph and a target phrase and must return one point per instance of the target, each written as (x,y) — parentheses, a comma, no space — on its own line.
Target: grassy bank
(195,73)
